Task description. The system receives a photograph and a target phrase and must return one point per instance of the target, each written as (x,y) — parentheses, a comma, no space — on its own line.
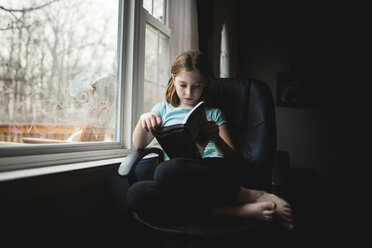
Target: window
(156,8)
(58,71)
(66,75)
(156,57)
(224,53)
(75,76)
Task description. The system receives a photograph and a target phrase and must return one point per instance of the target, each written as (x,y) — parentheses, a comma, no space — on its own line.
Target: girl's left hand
(210,130)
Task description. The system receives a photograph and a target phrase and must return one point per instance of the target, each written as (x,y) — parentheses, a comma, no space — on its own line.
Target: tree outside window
(58,64)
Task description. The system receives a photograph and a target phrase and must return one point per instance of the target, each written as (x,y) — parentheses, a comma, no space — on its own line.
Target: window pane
(161,94)
(58,70)
(156,8)
(147,4)
(149,96)
(163,75)
(151,49)
(159,6)
(224,53)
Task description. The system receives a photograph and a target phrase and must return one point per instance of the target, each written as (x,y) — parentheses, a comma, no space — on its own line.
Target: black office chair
(249,109)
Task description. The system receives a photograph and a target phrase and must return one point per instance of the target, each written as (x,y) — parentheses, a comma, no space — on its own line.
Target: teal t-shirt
(172,115)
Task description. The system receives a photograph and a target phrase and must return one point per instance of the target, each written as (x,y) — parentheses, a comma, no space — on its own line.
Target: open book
(181,140)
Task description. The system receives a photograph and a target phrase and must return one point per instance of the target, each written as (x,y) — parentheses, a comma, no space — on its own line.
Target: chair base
(216,231)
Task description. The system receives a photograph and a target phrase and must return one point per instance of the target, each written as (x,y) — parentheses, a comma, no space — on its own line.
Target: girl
(197,187)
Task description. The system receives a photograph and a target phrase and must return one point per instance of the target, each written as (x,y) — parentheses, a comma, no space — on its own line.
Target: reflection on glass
(58,71)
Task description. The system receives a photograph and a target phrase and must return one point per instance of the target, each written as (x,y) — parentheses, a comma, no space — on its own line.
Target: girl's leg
(213,184)
(197,181)
(151,203)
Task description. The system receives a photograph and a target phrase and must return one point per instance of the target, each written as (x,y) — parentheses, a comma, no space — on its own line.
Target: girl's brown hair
(188,61)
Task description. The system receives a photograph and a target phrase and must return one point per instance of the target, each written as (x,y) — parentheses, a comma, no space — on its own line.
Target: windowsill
(24,173)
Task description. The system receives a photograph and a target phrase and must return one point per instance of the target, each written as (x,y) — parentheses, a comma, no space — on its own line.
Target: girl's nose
(188,90)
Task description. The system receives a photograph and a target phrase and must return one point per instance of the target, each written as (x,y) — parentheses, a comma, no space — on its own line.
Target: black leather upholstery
(249,109)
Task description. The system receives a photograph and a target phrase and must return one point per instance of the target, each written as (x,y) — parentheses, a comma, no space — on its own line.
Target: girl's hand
(150,122)
(210,130)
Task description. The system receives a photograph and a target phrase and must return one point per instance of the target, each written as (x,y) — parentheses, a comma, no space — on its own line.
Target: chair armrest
(281,170)
(127,168)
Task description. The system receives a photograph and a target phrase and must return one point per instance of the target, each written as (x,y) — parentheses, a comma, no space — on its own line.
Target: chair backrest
(248,106)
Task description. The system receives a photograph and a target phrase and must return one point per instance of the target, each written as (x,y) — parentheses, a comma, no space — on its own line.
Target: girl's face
(189,87)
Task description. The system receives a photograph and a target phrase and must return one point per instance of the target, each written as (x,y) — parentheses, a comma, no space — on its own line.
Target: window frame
(146,18)
(33,156)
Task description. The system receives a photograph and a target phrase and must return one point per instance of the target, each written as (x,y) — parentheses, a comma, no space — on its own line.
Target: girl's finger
(152,123)
(158,120)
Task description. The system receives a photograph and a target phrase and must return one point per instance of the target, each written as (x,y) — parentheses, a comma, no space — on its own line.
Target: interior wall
(81,207)
(272,39)
(313,135)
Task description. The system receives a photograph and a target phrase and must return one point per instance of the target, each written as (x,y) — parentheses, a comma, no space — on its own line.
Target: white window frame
(13,158)
(146,18)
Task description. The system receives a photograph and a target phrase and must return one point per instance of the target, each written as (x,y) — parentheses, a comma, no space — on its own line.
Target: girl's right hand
(151,122)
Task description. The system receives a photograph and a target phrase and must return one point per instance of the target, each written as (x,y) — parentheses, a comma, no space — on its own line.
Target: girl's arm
(145,130)
(224,143)
(220,136)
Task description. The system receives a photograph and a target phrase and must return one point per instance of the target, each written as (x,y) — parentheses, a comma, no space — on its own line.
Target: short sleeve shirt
(172,115)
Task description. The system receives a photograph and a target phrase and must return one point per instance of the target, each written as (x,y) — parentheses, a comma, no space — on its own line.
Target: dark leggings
(185,189)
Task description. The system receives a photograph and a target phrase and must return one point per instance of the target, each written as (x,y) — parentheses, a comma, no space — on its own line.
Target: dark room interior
(269,42)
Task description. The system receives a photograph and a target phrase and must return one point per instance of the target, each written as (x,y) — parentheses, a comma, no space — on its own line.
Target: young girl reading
(192,188)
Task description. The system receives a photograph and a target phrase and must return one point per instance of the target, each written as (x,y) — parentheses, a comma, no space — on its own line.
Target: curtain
(216,16)
(184,27)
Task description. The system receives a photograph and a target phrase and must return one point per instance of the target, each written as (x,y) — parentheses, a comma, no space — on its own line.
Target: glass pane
(161,94)
(149,96)
(224,54)
(163,74)
(58,71)
(147,4)
(159,7)
(151,49)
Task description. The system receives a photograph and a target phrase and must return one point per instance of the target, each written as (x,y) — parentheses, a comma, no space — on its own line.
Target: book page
(195,119)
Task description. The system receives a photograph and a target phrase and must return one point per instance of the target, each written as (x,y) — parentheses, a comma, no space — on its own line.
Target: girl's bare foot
(258,211)
(283,209)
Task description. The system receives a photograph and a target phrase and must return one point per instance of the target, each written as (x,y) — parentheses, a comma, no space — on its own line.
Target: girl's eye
(196,86)
(183,85)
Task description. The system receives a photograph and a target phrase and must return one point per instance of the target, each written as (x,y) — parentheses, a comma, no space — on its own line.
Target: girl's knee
(168,171)
(139,194)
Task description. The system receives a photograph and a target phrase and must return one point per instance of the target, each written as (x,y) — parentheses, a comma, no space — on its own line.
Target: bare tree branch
(28,9)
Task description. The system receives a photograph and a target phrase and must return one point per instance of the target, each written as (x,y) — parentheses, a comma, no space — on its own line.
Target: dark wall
(302,41)
(77,207)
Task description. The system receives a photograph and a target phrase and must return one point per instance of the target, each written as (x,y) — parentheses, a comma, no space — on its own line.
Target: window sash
(149,19)
(144,17)
(31,156)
